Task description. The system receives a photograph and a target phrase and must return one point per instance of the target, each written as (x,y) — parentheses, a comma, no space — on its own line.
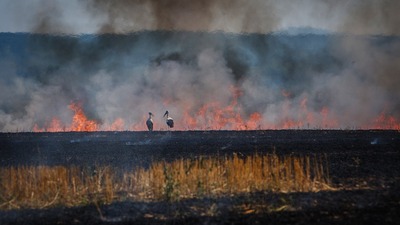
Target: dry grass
(43,186)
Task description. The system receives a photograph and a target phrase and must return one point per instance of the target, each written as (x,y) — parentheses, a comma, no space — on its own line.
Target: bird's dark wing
(170,123)
(149,124)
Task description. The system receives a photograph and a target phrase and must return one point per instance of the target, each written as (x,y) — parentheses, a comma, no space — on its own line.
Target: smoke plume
(250,64)
(256,16)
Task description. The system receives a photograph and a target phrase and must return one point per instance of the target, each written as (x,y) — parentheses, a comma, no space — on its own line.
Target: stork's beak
(166,113)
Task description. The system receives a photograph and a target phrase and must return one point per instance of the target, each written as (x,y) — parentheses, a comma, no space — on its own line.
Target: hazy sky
(98,16)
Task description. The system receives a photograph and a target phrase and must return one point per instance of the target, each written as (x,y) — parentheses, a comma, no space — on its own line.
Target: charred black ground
(363,165)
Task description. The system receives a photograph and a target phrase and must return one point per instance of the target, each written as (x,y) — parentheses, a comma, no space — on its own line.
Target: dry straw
(44,186)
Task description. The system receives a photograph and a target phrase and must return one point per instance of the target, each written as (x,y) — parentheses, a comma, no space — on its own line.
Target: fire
(55,125)
(214,116)
(117,125)
(384,121)
(218,116)
(326,121)
(288,121)
(36,128)
(304,119)
(79,122)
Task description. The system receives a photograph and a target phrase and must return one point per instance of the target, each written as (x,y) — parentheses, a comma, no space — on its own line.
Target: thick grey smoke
(302,64)
(202,78)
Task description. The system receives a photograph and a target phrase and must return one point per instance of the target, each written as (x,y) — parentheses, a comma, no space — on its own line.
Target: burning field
(274,112)
(210,81)
(268,128)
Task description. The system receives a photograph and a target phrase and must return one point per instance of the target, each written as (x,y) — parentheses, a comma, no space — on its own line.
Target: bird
(149,122)
(170,121)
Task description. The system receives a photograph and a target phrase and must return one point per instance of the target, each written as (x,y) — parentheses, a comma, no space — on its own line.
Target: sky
(227,64)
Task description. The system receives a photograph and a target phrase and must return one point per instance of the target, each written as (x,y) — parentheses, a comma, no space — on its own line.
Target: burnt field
(363,167)
(350,153)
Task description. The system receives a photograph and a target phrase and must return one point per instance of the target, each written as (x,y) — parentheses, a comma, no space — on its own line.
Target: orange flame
(36,128)
(55,125)
(213,116)
(80,121)
(326,121)
(118,124)
(305,118)
(384,121)
(216,116)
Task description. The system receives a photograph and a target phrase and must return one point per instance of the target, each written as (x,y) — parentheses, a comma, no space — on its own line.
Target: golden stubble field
(45,186)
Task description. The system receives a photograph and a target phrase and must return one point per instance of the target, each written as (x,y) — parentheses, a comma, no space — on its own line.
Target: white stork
(149,122)
(170,121)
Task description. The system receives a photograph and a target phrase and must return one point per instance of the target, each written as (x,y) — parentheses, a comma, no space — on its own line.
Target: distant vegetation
(44,186)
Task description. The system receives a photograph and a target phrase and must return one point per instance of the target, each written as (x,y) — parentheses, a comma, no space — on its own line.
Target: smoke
(306,64)
(292,81)
(362,17)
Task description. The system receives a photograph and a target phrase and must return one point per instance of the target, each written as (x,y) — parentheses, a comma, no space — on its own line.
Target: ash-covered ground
(363,165)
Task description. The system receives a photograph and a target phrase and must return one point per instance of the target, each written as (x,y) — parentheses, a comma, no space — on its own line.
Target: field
(360,176)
